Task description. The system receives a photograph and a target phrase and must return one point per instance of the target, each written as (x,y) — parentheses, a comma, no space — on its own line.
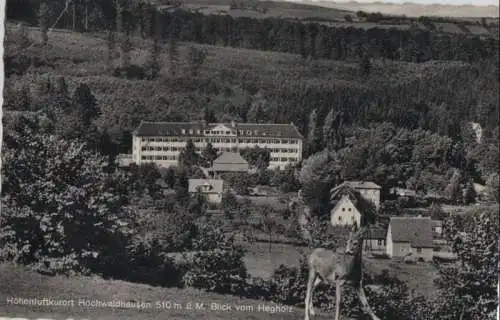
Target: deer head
(355,240)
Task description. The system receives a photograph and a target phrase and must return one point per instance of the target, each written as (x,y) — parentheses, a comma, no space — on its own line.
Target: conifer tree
(173,55)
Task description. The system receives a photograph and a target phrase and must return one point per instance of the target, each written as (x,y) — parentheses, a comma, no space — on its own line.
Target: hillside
(227,79)
(468,19)
(24,284)
(411,9)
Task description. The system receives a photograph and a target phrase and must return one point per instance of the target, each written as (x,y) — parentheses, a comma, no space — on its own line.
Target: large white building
(161,142)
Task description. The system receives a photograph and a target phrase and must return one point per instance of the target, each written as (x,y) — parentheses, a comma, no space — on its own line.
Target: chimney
(233,124)
(203,123)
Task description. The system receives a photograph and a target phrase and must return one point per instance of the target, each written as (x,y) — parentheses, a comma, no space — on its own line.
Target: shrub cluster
(216,263)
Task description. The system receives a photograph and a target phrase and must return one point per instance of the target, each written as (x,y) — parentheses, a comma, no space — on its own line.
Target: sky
(453,2)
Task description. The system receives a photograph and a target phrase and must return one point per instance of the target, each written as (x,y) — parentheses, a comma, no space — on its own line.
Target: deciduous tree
(61,209)
(468,287)
(208,155)
(320,172)
(454,189)
(188,156)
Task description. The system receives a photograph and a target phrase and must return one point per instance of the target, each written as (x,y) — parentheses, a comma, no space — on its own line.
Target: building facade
(410,235)
(161,142)
(370,191)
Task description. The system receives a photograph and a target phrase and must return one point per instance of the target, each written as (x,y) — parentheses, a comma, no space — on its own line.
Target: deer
(328,266)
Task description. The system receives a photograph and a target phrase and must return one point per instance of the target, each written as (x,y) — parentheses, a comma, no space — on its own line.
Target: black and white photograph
(249,159)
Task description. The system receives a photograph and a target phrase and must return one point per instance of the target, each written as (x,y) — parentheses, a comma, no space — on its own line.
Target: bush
(217,263)
(220,270)
(146,263)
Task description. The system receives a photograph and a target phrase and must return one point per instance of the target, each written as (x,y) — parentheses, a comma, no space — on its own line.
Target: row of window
(172,157)
(179,149)
(284,159)
(159,157)
(221,140)
(148,148)
(222,132)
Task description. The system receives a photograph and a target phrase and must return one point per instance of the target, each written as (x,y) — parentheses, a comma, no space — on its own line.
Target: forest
(312,40)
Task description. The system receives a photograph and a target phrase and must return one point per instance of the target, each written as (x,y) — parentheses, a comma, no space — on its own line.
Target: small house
(410,235)
(211,189)
(345,213)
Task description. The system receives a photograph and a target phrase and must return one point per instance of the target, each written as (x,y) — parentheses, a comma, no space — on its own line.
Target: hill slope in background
(412,9)
(341,8)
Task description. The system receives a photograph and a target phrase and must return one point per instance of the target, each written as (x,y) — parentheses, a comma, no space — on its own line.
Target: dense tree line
(309,40)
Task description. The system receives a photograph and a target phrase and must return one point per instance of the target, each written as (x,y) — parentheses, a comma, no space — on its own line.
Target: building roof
(362,184)
(230,157)
(216,185)
(230,161)
(404,192)
(416,230)
(273,130)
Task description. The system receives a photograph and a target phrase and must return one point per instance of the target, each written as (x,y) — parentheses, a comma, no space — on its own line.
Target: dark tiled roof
(417,231)
(151,129)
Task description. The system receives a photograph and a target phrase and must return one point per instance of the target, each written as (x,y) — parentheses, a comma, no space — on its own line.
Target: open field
(262,259)
(334,14)
(469,12)
(472,208)
(463,12)
(262,262)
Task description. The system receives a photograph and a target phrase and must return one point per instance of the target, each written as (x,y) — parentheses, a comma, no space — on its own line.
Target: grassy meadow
(20,283)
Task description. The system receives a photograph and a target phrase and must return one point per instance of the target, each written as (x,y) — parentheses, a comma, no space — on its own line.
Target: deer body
(330,267)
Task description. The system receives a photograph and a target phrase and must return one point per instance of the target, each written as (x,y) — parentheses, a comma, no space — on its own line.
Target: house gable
(345,212)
